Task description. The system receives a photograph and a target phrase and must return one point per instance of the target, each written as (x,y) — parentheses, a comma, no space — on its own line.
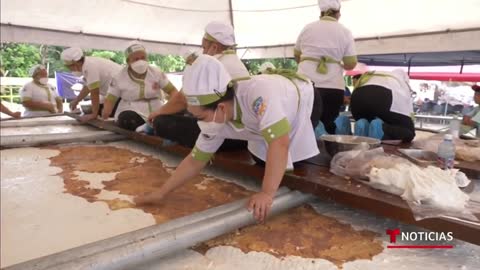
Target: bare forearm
(83,94)
(37,105)
(95,96)
(59,105)
(5,110)
(107,108)
(277,158)
(177,103)
(187,169)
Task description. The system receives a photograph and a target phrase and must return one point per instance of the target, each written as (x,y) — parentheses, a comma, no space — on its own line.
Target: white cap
(205,81)
(35,69)
(325,5)
(221,33)
(134,46)
(71,55)
(265,66)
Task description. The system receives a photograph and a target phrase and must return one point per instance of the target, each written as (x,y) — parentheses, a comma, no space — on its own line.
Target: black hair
(81,60)
(229,95)
(330,12)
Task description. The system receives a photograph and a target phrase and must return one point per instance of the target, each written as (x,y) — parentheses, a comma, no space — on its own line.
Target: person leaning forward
(271,112)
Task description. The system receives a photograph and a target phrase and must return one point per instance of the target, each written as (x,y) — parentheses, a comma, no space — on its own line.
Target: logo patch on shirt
(259,106)
(156,86)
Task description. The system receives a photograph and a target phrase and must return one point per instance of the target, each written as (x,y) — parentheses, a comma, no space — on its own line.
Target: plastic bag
(358,162)
(429,192)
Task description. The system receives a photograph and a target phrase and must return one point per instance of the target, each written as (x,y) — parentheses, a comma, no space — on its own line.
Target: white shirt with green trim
(98,73)
(402,102)
(39,93)
(267,107)
(141,96)
(325,37)
(233,65)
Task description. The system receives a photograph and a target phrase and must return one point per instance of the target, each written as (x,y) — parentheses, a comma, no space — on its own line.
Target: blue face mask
(212,128)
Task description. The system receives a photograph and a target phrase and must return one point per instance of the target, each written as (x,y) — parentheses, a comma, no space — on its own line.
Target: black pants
(183,129)
(100,109)
(129,120)
(317,107)
(262,164)
(332,100)
(373,101)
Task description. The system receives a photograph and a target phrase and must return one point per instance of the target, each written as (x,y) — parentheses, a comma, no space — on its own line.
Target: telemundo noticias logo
(428,240)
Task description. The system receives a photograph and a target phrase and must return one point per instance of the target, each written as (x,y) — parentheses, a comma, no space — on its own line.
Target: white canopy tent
(266,28)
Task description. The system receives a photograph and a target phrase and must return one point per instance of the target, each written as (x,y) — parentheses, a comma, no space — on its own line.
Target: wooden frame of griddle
(319,181)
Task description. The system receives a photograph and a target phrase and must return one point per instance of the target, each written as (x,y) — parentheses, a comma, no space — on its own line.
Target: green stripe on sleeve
(169,88)
(112,98)
(199,155)
(94,85)
(276,130)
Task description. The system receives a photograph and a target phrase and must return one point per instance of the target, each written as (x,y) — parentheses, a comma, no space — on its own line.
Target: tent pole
(230,5)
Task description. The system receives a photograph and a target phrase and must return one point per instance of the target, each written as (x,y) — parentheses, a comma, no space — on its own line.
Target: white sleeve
(92,77)
(26,93)
(206,146)
(268,108)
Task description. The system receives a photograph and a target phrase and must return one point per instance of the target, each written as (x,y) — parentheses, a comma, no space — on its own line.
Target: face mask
(212,128)
(43,81)
(77,73)
(140,66)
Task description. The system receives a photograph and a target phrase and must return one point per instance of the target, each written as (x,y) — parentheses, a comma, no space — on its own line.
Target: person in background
(171,121)
(219,42)
(472,119)
(138,86)
(5,110)
(269,111)
(38,96)
(382,106)
(324,49)
(97,73)
(266,67)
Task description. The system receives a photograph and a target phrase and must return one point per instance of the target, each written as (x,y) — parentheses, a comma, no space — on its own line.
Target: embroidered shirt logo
(259,106)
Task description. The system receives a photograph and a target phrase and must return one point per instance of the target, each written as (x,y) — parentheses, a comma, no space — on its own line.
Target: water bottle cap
(448,137)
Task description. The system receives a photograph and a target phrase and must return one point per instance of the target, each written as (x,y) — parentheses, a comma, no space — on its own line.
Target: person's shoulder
(121,74)
(29,84)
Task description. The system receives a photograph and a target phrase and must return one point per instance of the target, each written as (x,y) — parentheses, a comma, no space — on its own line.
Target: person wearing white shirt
(97,73)
(219,42)
(38,96)
(382,106)
(138,86)
(323,50)
(271,112)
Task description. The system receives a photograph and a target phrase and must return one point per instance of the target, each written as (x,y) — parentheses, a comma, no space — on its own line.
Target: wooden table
(315,179)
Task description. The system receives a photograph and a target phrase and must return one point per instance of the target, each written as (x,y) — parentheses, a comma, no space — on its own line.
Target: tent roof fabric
(266,28)
(423,59)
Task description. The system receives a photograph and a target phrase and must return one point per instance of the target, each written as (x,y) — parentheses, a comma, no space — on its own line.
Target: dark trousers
(262,164)
(317,107)
(100,110)
(373,101)
(129,120)
(183,129)
(332,100)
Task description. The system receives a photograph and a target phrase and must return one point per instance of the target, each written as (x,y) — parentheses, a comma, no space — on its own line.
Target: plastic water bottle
(446,153)
(455,126)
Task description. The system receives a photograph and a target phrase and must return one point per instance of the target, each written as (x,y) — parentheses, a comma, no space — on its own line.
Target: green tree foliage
(253,65)
(16,59)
